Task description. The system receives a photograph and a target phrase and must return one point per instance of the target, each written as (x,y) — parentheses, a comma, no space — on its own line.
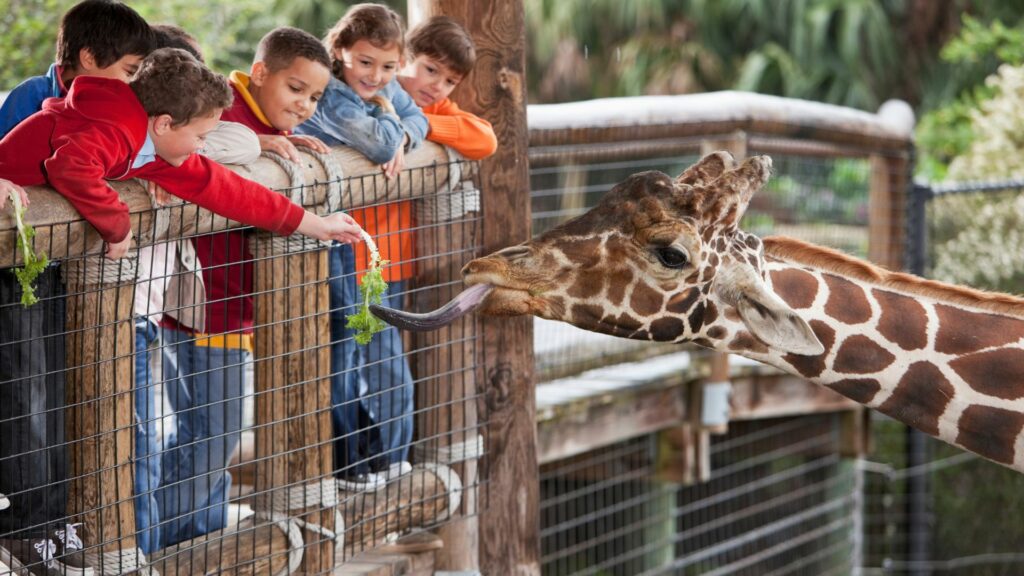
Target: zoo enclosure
(637,477)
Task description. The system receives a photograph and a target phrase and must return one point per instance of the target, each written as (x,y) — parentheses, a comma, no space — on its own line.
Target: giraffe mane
(829,260)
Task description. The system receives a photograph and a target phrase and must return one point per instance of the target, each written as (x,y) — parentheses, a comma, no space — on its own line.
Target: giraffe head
(656,259)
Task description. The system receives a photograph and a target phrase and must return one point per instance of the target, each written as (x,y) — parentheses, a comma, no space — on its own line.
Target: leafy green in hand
(34,263)
(372,289)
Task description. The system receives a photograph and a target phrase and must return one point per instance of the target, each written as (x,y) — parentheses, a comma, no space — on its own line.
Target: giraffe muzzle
(470,299)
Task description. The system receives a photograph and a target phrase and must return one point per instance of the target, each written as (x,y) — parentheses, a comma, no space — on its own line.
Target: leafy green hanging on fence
(34,263)
(372,289)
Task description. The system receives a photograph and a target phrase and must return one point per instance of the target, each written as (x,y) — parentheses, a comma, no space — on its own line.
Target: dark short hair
(173,36)
(110,30)
(446,41)
(377,24)
(171,81)
(281,46)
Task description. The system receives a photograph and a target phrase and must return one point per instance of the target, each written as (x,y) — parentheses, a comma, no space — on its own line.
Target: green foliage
(33,264)
(372,289)
(28,33)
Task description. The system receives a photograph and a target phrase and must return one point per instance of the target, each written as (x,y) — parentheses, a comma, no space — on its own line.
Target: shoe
(368,482)
(4,502)
(40,557)
(395,471)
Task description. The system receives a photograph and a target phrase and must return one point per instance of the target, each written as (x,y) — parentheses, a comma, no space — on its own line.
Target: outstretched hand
(117,250)
(6,187)
(338,226)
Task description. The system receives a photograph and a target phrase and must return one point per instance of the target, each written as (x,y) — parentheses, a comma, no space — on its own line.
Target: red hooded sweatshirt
(94,134)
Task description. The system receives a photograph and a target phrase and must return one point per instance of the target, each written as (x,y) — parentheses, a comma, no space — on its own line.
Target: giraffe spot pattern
(589,283)
(683,301)
(904,320)
(811,366)
(617,284)
(861,390)
(646,301)
(667,328)
(990,432)
(717,332)
(964,331)
(846,301)
(861,355)
(710,312)
(998,373)
(920,397)
(746,341)
(796,287)
(697,318)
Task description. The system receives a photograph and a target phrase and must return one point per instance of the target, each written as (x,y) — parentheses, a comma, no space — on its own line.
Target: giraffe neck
(945,360)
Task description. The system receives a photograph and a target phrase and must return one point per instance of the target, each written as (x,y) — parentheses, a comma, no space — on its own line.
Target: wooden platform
(607,405)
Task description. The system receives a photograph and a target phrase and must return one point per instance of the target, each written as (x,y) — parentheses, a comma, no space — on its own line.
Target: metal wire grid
(780,501)
(35,448)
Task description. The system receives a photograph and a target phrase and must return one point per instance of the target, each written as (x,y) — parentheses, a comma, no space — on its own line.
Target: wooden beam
(496,89)
(61,232)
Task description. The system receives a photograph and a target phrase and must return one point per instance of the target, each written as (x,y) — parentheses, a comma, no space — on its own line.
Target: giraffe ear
(778,326)
(765,314)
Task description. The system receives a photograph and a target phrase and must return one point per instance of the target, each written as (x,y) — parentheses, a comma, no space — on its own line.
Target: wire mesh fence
(201,406)
(779,501)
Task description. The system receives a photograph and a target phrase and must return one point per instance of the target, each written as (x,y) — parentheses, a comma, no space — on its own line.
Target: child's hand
(392,167)
(117,250)
(309,142)
(160,196)
(280,146)
(338,226)
(6,187)
(383,102)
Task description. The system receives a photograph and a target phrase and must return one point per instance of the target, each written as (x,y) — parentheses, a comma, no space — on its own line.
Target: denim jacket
(342,117)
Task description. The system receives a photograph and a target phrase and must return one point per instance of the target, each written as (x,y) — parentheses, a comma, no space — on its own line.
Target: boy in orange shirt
(442,55)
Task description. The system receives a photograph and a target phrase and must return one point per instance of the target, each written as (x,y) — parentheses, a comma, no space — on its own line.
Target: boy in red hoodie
(150,128)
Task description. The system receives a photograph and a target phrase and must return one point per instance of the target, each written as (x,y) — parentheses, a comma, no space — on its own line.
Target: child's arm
(338,120)
(220,190)
(77,169)
(469,134)
(413,120)
(285,146)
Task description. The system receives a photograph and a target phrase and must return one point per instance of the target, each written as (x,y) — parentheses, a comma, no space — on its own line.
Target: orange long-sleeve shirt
(391,224)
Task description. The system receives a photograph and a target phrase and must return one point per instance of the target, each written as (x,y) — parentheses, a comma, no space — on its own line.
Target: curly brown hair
(375,23)
(171,81)
(446,41)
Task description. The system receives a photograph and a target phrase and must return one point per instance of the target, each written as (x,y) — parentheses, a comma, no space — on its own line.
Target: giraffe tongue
(469,300)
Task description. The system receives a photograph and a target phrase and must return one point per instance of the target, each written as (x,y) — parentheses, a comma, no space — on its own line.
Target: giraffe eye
(672,257)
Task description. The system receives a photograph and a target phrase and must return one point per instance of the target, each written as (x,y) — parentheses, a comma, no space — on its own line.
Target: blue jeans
(205,387)
(371,386)
(147,451)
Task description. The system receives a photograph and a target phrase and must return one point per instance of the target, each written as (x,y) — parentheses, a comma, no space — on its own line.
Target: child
(168,269)
(95,38)
(364,107)
(442,55)
(149,128)
(288,77)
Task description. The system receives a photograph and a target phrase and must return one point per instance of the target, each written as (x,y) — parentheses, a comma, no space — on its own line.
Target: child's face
(288,96)
(122,69)
(428,81)
(366,68)
(176,143)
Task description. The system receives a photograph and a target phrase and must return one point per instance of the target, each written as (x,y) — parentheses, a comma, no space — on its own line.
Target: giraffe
(662,259)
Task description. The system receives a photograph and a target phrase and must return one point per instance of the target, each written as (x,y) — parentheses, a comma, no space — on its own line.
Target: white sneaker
(396,470)
(4,502)
(362,483)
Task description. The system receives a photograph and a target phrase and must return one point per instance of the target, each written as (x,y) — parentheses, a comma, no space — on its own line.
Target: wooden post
(887,198)
(293,392)
(100,352)
(496,89)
